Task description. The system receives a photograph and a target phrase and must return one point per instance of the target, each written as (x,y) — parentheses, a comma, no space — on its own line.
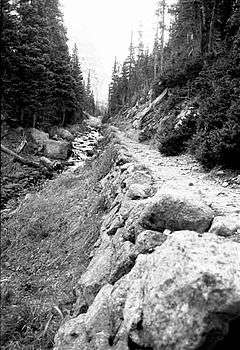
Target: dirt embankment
(46,245)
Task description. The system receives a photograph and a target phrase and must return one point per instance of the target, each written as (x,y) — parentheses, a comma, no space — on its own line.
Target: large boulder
(183,296)
(177,210)
(57,149)
(65,134)
(39,137)
(112,260)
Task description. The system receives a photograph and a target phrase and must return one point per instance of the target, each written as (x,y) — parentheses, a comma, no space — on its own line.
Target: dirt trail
(181,172)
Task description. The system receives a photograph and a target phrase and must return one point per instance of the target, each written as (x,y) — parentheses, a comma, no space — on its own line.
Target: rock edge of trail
(161,276)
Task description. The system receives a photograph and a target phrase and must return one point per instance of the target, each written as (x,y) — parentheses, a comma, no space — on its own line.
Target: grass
(46,245)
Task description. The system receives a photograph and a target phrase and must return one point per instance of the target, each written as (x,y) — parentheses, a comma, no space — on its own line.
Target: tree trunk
(34,120)
(211,29)
(21,115)
(21,146)
(204,34)
(1,51)
(19,158)
(63,116)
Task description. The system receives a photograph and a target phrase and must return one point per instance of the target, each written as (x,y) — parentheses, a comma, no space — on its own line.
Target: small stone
(220,172)
(138,191)
(237,180)
(148,240)
(225,225)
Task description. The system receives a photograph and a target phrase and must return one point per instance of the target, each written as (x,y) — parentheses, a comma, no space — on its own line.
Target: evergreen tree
(114,97)
(78,80)
(41,83)
(89,102)
(63,95)
(8,43)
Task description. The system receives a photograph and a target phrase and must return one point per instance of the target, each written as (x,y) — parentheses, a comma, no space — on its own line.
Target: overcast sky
(102,30)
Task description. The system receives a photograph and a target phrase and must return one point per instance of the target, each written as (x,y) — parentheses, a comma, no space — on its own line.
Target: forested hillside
(200,68)
(41,81)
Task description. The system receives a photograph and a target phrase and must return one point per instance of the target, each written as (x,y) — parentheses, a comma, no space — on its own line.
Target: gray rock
(94,122)
(237,180)
(39,137)
(186,290)
(46,162)
(148,240)
(65,134)
(57,149)
(175,299)
(99,312)
(113,259)
(88,331)
(72,335)
(139,177)
(118,215)
(177,210)
(137,191)
(225,225)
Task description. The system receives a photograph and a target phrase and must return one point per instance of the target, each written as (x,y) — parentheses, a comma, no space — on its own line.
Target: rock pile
(54,149)
(161,277)
(83,147)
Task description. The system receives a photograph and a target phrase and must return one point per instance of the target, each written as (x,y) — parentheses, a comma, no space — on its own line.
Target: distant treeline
(41,82)
(200,63)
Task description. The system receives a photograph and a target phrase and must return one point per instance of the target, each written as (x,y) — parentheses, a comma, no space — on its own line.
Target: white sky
(102,30)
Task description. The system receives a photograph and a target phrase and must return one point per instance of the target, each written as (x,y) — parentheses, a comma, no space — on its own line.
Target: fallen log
(44,162)
(19,158)
(21,146)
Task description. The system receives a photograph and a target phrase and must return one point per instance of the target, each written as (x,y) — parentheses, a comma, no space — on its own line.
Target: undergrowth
(46,245)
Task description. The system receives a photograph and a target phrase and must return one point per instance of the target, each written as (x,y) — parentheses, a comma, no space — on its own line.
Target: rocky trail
(165,270)
(147,248)
(220,190)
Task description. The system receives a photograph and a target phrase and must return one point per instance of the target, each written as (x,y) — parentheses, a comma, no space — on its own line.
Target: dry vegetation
(46,245)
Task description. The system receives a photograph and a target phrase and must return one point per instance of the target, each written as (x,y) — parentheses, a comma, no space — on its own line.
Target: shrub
(218,146)
(178,75)
(173,140)
(217,140)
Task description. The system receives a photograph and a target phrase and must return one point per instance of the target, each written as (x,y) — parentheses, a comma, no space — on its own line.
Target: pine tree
(159,37)
(63,95)
(89,102)
(78,80)
(29,81)
(8,41)
(140,42)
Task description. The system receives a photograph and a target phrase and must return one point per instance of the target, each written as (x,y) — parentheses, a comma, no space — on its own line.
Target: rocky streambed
(63,152)
(83,148)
